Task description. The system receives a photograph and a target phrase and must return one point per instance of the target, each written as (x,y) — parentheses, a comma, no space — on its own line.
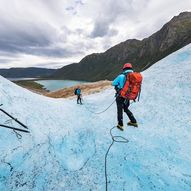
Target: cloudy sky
(54,33)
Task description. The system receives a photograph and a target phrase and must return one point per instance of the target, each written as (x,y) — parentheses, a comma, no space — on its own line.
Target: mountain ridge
(142,53)
(30,72)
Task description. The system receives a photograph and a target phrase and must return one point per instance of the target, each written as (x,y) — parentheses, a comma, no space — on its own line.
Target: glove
(117,89)
(116,94)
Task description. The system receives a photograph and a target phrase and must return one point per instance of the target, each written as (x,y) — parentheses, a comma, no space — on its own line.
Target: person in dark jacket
(122,103)
(78,93)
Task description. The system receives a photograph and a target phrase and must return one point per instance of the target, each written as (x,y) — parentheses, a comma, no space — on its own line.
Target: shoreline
(87,88)
(32,86)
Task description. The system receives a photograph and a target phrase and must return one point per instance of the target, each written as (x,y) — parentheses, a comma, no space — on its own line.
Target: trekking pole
(13,128)
(14,118)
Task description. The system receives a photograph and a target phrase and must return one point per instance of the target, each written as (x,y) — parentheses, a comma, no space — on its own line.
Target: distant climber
(127,86)
(79,95)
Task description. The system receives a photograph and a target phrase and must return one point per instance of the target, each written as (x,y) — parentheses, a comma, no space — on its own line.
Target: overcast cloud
(53,33)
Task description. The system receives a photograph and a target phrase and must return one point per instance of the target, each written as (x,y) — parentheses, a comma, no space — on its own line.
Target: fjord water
(53,85)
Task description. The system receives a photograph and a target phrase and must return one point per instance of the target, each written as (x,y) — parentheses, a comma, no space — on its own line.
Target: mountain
(66,147)
(31,72)
(171,37)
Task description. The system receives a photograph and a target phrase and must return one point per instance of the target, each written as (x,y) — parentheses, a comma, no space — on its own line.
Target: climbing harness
(118,139)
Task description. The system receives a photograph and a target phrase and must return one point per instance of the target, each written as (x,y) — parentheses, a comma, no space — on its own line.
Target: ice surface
(67,144)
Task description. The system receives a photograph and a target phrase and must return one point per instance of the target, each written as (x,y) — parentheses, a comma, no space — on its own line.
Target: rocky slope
(171,37)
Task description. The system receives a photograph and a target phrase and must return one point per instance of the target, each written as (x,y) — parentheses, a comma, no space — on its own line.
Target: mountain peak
(142,54)
(185,14)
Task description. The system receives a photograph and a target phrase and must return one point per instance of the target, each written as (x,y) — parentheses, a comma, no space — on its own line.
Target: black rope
(19,136)
(100,111)
(9,122)
(114,139)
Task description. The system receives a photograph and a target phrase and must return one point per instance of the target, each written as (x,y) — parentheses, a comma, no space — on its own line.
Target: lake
(53,85)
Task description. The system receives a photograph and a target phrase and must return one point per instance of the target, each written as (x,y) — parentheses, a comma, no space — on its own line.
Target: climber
(123,87)
(79,95)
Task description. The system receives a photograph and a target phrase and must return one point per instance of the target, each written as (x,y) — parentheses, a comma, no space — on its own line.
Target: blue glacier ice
(66,147)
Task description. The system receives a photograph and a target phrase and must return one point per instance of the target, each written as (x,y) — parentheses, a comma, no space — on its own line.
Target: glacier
(67,143)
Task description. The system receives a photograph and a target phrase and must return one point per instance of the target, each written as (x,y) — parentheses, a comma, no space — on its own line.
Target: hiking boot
(120,127)
(132,124)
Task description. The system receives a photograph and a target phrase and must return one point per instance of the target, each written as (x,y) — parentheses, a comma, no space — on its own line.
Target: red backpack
(132,87)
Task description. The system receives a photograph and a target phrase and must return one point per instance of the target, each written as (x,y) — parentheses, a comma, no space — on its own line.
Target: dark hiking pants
(123,104)
(79,99)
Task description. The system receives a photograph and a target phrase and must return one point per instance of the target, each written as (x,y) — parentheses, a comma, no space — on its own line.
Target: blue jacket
(78,91)
(119,81)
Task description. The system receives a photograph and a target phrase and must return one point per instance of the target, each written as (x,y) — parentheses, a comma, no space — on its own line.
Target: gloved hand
(117,89)
(116,94)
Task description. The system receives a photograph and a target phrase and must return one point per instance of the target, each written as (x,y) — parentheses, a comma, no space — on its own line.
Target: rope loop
(117,139)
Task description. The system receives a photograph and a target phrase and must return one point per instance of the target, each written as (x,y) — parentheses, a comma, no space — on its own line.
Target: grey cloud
(112,32)
(54,52)
(37,38)
(79,2)
(100,29)
(109,15)
(4,60)
(8,55)
(41,38)
(16,38)
(70,8)
(114,11)
(32,39)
